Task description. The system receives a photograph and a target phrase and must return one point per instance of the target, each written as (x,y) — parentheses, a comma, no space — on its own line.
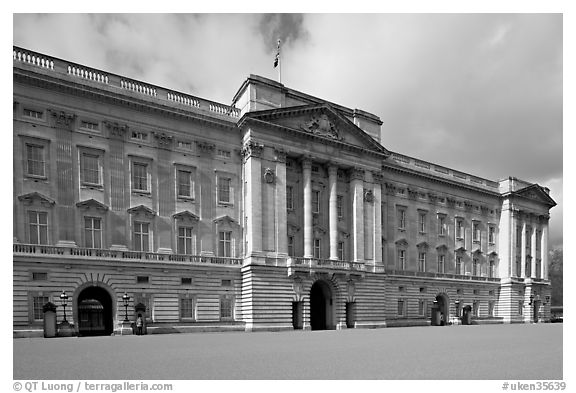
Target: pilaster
(357,193)
(307,178)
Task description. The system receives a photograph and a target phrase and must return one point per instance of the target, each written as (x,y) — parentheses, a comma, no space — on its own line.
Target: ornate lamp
(126,299)
(64,300)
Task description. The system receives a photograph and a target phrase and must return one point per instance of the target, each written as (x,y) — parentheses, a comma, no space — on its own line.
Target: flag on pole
(277,58)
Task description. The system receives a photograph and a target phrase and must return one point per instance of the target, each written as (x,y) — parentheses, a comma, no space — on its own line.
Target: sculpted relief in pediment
(322,126)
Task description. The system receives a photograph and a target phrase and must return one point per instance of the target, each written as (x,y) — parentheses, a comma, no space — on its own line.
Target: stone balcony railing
(409,273)
(319,265)
(119,255)
(87,75)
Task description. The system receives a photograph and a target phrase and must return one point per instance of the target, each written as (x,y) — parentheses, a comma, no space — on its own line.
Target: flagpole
(278,58)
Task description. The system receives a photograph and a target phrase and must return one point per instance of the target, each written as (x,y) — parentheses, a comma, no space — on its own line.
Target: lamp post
(64,300)
(126,299)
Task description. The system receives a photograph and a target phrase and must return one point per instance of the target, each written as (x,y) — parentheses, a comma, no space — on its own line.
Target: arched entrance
(94,312)
(441,310)
(321,306)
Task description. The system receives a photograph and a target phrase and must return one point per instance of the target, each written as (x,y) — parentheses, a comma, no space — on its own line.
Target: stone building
(281,211)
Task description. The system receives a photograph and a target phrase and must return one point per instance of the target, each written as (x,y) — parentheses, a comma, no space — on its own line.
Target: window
(140,176)
(341,251)
(538,268)
(460,229)
(401,219)
(291,246)
(184,245)
(39,276)
(475,267)
(226,307)
(491,234)
(476,232)
(422,222)
(93,232)
(422,262)
(90,168)
(441,225)
(35,160)
(37,307)
(226,282)
(402,259)
(317,248)
(187,308)
(422,307)
(140,136)
(491,305)
(475,308)
(184,182)
(38,227)
(224,184)
(491,268)
(289,198)
(441,260)
(315,201)
(459,265)
(340,205)
(141,236)
(518,266)
(518,236)
(528,267)
(520,307)
(32,113)
(186,281)
(88,125)
(225,244)
(142,279)
(401,307)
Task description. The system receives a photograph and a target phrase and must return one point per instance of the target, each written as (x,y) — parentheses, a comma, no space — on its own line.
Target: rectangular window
(32,113)
(289,198)
(459,229)
(224,184)
(422,307)
(39,276)
(93,232)
(475,267)
(491,235)
(476,232)
(226,307)
(185,241)
(422,262)
(341,251)
(492,269)
(402,259)
(459,266)
(491,305)
(142,279)
(35,160)
(186,308)
(225,244)
(38,227)
(520,307)
(518,236)
(315,201)
(140,176)
(441,225)
(441,260)
(401,219)
(291,246)
(186,281)
(141,236)
(90,168)
(422,222)
(185,185)
(38,304)
(518,267)
(401,307)
(140,136)
(317,248)
(340,205)
(538,268)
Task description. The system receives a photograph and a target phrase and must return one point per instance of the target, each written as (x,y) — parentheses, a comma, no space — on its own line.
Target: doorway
(95,312)
(321,304)
(442,310)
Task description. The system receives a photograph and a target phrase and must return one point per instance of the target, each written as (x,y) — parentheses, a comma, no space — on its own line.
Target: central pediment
(320,121)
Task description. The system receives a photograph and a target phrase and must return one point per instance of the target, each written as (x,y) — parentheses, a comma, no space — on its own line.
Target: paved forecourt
(503,352)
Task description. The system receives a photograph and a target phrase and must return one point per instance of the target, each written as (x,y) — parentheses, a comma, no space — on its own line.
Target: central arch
(443,306)
(94,312)
(321,306)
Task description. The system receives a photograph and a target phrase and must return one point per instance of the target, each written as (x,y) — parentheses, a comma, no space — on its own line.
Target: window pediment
(32,197)
(186,215)
(143,210)
(226,219)
(402,242)
(92,204)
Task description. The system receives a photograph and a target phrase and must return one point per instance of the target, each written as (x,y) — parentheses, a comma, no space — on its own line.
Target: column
(377,253)
(544,249)
(307,178)
(252,152)
(281,215)
(533,251)
(333,210)
(357,192)
(523,250)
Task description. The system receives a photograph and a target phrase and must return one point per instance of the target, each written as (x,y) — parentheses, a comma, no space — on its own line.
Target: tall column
(544,249)
(307,177)
(281,214)
(533,251)
(252,152)
(377,253)
(333,210)
(523,249)
(357,192)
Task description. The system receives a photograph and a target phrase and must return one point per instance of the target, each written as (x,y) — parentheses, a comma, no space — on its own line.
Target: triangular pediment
(225,219)
(536,193)
(32,197)
(319,121)
(141,209)
(186,215)
(92,204)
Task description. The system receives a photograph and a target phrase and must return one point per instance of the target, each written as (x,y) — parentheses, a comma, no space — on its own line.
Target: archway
(443,309)
(321,306)
(94,310)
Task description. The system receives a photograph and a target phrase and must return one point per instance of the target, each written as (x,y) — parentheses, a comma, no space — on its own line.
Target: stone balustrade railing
(96,253)
(147,91)
(328,263)
(443,171)
(409,273)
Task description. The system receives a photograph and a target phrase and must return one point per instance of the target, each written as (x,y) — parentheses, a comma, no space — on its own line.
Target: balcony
(316,265)
(119,255)
(450,276)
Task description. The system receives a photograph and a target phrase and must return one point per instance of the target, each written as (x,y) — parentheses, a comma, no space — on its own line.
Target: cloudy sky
(481,93)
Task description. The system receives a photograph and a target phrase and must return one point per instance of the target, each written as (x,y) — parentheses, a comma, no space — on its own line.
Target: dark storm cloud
(287,27)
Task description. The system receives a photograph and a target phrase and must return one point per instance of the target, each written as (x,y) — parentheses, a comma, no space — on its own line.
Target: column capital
(356,174)
(378,177)
(332,169)
(280,155)
(306,162)
(252,149)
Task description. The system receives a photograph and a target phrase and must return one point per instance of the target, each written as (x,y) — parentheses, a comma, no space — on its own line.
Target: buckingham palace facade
(281,211)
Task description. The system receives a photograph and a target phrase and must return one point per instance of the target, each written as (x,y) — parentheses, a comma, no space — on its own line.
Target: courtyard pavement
(487,352)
